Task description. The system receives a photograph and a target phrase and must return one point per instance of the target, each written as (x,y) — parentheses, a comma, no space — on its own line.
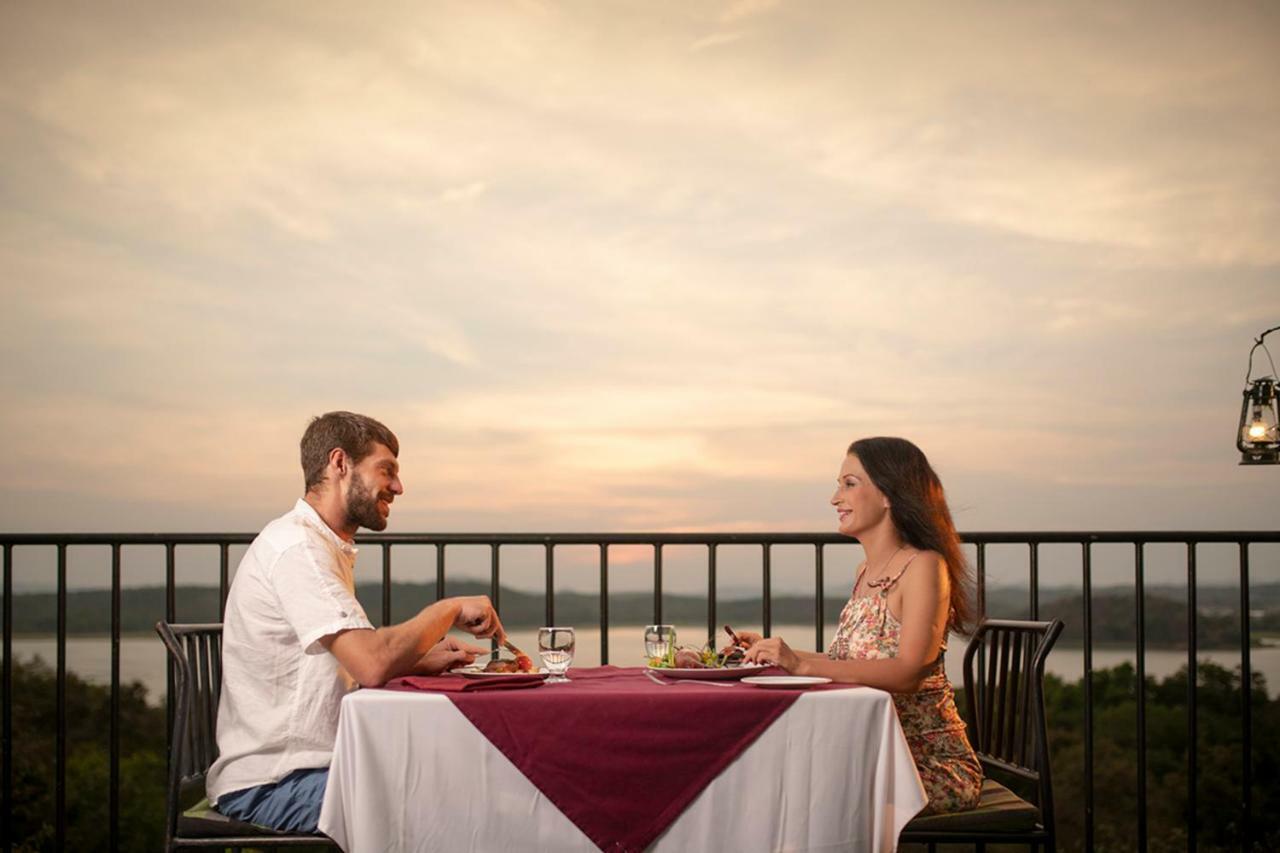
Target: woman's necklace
(879,582)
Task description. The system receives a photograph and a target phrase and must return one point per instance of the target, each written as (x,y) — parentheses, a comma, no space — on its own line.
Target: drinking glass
(659,640)
(555,647)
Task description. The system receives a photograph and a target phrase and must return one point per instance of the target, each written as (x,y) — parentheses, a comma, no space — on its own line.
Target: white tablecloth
(410,772)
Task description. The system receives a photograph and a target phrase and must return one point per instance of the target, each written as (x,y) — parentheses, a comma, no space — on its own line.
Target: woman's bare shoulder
(927,570)
(926,561)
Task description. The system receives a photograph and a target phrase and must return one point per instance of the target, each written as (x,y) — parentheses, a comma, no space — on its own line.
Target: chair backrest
(195,667)
(1004,692)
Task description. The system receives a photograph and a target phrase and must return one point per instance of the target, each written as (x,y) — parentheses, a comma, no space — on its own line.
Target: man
(295,640)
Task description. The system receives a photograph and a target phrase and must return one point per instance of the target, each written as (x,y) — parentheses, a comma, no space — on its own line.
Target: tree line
(1114,611)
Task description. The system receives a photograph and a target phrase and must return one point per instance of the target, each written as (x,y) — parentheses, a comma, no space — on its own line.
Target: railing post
(604,603)
(1087,583)
(170,609)
(1192,679)
(766,583)
(386,583)
(550,599)
(494,581)
(980,583)
(1246,716)
(223,574)
(819,611)
(657,583)
(170,586)
(113,818)
(6,808)
(712,621)
(981,579)
(60,753)
(1140,598)
(494,587)
(439,570)
(1034,584)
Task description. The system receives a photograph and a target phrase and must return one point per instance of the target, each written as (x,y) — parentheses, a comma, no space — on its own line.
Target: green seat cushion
(203,820)
(998,810)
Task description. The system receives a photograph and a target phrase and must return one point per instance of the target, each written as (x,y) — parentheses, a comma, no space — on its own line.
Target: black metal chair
(1006,720)
(195,664)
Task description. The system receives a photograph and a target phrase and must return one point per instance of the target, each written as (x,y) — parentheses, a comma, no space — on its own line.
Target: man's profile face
(372,486)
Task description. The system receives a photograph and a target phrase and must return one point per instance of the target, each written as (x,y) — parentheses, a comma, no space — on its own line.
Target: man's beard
(362,506)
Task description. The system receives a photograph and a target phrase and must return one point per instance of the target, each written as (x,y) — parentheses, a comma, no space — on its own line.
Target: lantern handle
(1257,342)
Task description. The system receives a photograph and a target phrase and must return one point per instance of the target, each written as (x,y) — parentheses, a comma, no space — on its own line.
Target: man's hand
(447,654)
(477,617)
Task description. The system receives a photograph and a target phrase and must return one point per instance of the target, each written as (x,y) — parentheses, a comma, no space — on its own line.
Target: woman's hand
(774,651)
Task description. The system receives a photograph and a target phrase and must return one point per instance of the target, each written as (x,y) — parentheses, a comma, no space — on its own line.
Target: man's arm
(375,657)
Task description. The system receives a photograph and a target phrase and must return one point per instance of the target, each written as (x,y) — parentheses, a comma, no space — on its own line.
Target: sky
(636,266)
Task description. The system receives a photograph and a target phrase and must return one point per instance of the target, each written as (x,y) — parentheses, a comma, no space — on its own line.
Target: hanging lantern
(1258,436)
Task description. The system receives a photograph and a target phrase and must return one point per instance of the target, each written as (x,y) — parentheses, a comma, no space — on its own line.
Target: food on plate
(706,657)
(520,664)
(689,659)
(522,660)
(502,665)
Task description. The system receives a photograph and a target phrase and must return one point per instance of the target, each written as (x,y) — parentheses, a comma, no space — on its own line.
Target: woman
(909,592)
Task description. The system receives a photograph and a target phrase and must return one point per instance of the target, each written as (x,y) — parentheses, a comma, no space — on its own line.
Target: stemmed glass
(659,640)
(555,647)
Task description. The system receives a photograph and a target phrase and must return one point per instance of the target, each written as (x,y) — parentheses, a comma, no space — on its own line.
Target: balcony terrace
(1186,763)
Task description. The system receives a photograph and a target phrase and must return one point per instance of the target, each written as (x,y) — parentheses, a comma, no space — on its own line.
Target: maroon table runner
(458,684)
(621,756)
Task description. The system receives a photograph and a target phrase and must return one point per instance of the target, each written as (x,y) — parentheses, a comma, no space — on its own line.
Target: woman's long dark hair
(918,509)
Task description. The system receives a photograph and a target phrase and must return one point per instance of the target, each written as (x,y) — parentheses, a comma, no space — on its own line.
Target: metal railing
(657,541)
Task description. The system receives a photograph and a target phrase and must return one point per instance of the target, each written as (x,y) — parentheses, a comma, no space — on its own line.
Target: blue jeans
(292,804)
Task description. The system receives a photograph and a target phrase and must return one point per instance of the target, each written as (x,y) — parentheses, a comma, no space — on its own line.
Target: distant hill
(89,611)
(1262,596)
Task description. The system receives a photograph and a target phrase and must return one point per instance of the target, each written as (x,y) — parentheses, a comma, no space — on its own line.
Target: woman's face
(859,505)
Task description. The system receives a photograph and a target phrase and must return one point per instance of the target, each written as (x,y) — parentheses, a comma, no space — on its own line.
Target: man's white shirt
(281,689)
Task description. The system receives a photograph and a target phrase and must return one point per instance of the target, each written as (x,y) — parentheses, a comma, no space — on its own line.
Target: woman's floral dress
(946,762)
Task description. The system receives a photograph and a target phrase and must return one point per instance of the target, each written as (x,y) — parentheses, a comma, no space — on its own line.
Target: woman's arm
(925,601)
(750,638)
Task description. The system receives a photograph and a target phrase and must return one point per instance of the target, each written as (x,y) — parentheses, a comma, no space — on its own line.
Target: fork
(656,680)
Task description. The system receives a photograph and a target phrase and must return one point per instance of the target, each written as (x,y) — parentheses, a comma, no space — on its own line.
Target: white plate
(786,682)
(479,673)
(709,673)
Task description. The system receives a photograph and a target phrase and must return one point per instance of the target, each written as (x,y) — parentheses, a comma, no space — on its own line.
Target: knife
(734,637)
(511,647)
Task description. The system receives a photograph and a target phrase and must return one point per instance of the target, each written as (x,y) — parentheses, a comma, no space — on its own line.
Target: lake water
(142,658)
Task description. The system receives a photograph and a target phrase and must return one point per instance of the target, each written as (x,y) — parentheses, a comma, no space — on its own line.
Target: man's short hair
(355,434)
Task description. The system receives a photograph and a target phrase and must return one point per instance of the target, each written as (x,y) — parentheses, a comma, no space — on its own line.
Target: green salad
(706,656)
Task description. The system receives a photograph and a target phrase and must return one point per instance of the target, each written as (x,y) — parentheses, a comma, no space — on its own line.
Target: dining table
(618,759)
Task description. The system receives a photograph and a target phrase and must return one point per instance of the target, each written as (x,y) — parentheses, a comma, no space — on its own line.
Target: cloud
(716,40)
(467,192)
(741,9)
(608,268)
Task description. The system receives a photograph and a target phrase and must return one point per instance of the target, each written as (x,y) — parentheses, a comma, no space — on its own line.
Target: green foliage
(1219,760)
(142,763)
